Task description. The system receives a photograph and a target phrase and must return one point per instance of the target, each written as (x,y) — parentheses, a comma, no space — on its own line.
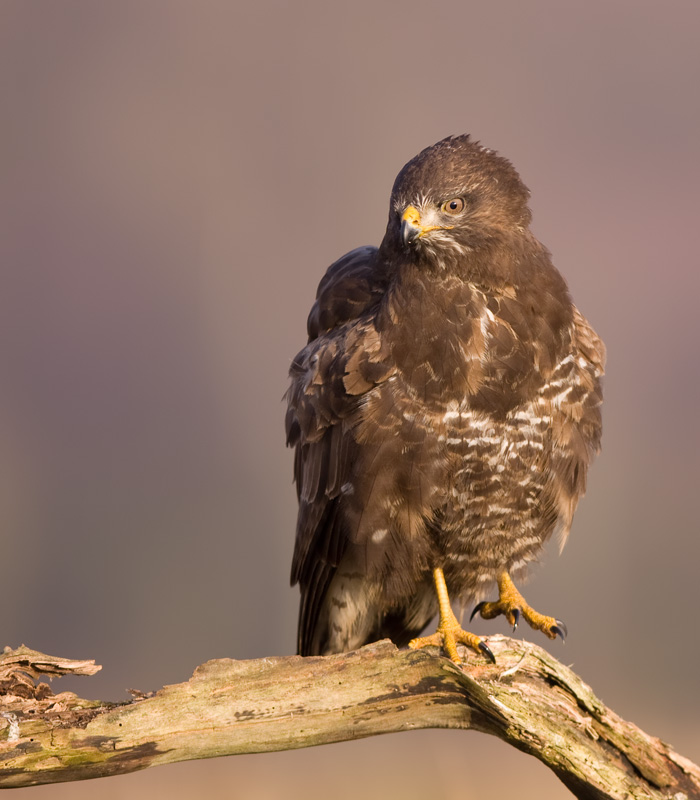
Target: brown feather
(444,412)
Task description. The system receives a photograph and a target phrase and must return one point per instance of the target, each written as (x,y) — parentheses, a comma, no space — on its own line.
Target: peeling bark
(528,699)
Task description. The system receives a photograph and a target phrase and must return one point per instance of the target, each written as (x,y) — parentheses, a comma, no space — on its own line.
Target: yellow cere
(412,215)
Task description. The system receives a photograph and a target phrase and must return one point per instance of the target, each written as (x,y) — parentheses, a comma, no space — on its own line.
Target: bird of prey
(443,413)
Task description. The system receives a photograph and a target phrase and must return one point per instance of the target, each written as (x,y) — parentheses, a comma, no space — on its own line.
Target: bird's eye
(453,206)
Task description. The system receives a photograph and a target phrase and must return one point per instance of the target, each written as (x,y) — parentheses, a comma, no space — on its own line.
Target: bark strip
(528,699)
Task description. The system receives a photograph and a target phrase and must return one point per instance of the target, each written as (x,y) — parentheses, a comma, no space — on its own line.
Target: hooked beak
(412,228)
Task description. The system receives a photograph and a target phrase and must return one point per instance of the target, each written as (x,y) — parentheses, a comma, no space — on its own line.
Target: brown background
(175,179)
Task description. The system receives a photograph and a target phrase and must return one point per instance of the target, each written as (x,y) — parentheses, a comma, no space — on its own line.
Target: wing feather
(575,397)
(329,377)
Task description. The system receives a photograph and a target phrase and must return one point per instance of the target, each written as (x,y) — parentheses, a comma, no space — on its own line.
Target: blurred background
(176,177)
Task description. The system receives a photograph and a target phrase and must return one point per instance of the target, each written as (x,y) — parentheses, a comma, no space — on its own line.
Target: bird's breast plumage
(483,401)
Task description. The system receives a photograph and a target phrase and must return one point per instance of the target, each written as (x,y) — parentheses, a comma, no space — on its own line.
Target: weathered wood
(527,699)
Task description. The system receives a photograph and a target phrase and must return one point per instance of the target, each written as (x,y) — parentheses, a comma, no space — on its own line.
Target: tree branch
(528,699)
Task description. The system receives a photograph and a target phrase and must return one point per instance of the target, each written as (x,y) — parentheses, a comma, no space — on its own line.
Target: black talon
(477,608)
(486,650)
(560,629)
(516,618)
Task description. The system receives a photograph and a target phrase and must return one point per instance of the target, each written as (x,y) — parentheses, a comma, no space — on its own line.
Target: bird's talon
(486,650)
(512,605)
(559,630)
(477,609)
(516,618)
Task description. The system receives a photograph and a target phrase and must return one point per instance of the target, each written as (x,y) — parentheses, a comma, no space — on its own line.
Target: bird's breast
(450,342)
(485,448)
(437,335)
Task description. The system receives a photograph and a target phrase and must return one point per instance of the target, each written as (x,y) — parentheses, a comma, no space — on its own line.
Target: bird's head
(454,199)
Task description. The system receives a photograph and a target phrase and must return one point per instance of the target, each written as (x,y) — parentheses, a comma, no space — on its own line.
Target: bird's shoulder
(351,286)
(345,356)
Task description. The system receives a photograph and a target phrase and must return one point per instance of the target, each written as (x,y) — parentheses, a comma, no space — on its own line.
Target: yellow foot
(447,636)
(449,630)
(512,604)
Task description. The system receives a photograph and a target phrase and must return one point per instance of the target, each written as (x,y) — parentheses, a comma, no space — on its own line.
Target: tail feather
(354,612)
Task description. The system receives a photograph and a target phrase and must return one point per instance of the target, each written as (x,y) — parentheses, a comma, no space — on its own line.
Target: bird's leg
(449,630)
(512,604)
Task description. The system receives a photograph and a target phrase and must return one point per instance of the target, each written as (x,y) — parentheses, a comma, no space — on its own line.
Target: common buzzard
(443,413)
